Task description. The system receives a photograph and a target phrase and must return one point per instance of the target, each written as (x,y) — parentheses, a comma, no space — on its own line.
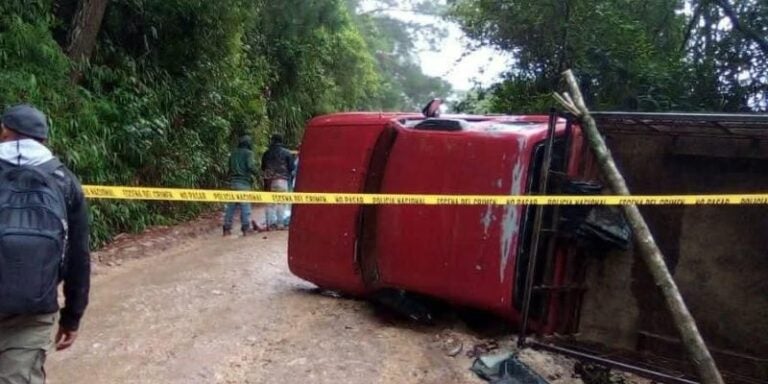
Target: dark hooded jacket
(277,162)
(242,166)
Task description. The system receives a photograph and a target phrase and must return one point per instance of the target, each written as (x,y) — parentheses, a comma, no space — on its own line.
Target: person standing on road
(44,240)
(277,164)
(291,186)
(242,169)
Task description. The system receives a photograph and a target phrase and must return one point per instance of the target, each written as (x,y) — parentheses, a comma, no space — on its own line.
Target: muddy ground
(183,305)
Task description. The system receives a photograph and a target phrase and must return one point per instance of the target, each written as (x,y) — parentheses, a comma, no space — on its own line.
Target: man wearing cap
(25,338)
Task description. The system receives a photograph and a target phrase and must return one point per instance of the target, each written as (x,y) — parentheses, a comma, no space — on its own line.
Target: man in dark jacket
(25,338)
(277,163)
(242,168)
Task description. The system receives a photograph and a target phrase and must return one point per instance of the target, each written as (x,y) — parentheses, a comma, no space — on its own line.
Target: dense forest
(649,55)
(154,92)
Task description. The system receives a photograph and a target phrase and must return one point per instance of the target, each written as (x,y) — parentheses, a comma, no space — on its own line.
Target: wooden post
(649,251)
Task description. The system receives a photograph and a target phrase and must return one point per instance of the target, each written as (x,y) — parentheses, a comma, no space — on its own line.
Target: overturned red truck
(482,256)
(475,256)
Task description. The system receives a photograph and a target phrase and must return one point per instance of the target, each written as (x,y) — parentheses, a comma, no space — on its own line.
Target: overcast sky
(483,65)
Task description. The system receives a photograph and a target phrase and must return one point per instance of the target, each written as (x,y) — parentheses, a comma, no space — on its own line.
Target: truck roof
(483,124)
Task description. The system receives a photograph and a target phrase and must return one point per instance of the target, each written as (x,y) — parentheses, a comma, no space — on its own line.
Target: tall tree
(726,52)
(627,52)
(170,84)
(318,61)
(85,29)
(394,43)
(624,49)
(732,14)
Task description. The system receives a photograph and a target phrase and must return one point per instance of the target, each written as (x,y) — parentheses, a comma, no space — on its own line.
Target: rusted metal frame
(549,260)
(757,119)
(579,298)
(674,340)
(579,290)
(624,131)
(592,358)
(573,271)
(537,223)
(757,123)
(725,129)
(530,277)
(725,357)
(643,123)
(548,275)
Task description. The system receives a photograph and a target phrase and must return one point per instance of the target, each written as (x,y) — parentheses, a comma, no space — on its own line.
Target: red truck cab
(469,255)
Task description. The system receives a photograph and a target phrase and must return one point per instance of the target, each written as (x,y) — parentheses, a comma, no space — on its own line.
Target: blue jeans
(245,211)
(277,213)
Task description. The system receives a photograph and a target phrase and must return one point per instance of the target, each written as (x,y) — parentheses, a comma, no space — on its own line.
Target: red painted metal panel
(335,153)
(466,255)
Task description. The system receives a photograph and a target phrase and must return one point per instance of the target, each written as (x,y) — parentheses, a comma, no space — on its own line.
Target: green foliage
(628,54)
(393,43)
(173,83)
(317,59)
(727,66)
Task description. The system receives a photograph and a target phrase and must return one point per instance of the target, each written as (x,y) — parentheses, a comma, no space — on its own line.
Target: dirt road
(229,311)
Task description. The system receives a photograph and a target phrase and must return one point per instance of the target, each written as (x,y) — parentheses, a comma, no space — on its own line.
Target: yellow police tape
(197,195)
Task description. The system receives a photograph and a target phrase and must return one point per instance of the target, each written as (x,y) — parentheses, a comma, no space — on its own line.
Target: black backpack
(33,237)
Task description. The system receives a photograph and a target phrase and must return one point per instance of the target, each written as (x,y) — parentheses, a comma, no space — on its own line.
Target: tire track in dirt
(228,311)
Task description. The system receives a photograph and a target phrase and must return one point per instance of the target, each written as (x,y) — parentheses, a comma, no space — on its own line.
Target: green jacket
(242,166)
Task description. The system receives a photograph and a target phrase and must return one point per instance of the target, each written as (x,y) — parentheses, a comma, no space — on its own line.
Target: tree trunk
(649,251)
(749,33)
(85,28)
(691,25)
